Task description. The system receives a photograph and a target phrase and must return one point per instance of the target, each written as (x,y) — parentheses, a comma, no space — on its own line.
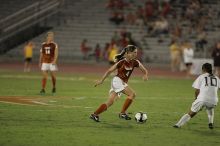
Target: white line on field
(59,78)
(49,105)
(17,103)
(40,103)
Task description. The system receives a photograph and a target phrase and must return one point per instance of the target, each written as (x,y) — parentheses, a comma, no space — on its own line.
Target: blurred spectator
(161,26)
(113,51)
(28,54)
(117,17)
(124,39)
(85,49)
(166,8)
(120,4)
(175,55)
(176,31)
(110,4)
(216,58)
(201,40)
(192,14)
(140,12)
(116,37)
(188,55)
(202,23)
(131,41)
(116,4)
(97,52)
(105,52)
(149,10)
(131,18)
(123,32)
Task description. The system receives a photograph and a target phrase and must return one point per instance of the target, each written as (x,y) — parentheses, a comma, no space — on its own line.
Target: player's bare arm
(107,73)
(144,70)
(55,55)
(40,59)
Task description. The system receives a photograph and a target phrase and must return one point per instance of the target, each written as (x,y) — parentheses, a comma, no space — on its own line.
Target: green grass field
(64,119)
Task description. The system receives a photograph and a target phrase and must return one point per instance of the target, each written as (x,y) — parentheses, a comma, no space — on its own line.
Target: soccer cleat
(94,117)
(124,116)
(211,126)
(175,126)
(54,90)
(42,91)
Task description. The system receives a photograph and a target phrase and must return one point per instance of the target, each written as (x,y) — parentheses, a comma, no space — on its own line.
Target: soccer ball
(141,117)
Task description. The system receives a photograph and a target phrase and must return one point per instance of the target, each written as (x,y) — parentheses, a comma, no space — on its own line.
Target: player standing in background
(48,61)
(126,62)
(206,86)
(216,58)
(28,54)
(188,54)
(175,56)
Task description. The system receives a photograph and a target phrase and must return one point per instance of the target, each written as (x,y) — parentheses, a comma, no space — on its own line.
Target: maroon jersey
(125,69)
(48,51)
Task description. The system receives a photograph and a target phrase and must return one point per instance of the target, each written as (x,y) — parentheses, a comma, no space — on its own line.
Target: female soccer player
(126,62)
(48,61)
(206,86)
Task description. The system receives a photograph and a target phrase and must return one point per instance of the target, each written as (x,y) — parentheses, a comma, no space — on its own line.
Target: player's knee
(44,76)
(192,114)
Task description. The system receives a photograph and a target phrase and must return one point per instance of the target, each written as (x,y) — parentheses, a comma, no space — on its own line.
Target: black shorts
(111,62)
(28,59)
(188,64)
(216,63)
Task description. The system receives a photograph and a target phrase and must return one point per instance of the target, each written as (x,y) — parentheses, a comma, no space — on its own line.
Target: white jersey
(208,86)
(188,54)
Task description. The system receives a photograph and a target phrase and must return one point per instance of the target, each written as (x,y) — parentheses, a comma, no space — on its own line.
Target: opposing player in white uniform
(206,86)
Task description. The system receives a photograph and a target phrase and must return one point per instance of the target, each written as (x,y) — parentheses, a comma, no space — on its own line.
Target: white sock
(210,113)
(185,118)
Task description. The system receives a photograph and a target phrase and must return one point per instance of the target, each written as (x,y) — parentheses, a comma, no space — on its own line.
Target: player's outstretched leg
(185,118)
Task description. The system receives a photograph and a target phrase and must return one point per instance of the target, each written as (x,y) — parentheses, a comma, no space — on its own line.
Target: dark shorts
(111,62)
(28,59)
(188,64)
(216,63)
